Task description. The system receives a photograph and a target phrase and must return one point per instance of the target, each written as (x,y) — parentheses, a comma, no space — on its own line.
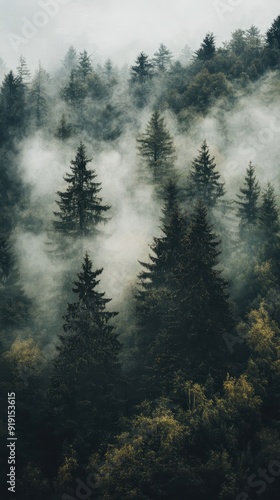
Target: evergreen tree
(143,69)
(157,299)
(14,304)
(140,82)
(38,95)
(205,316)
(64,130)
(273,34)
(74,92)
(207,49)
(23,71)
(70,60)
(84,67)
(83,395)
(12,105)
(269,212)
(204,179)
(156,147)
(81,209)
(248,205)
(162,58)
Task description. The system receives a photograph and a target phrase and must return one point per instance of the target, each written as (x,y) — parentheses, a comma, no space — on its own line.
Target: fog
(120,29)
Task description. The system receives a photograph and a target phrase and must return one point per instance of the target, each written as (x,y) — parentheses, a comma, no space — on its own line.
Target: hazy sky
(44,29)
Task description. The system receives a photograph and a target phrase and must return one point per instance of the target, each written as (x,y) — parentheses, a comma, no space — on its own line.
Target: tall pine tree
(248,209)
(157,148)
(205,311)
(204,179)
(81,208)
(86,375)
(156,298)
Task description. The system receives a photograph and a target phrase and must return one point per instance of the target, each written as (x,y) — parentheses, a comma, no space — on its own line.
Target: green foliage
(273,34)
(162,58)
(207,49)
(248,205)
(83,395)
(204,180)
(142,71)
(81,209)
(156,147)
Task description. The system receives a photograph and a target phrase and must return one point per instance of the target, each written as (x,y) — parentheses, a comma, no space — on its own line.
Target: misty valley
(140,274)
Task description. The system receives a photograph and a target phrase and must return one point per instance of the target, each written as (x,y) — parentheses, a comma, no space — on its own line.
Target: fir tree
(64,130)
(248,205)
(273,34)
(157,298)
(156,147)
(84,67)
(23,71)
(74,92)
(162,58)
(38,95)
(207,49)
(269,212)
(14,304)
(12,103)
(205,316)
(81,209)
(143,69)
(140,82)
(204,179)
(86,373)
(70,60)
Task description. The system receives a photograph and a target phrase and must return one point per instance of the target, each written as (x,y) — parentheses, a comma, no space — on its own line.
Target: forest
(140,273)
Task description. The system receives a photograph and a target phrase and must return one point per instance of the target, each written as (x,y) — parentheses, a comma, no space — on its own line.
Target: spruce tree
(86,374)
(140,82)
(157,298)
(205,312)
(248,205)
(162,58)
(273,34)
(70,60)
(38,95)
(84,67)
(12,104)
(23,71)
(156,147)
(81,208)
(143,69)
(14,304)
(269,212)
(207,49)
(204,179)
(74,92)
(64,130)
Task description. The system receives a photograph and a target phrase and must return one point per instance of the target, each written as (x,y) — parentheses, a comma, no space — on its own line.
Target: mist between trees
(139,271)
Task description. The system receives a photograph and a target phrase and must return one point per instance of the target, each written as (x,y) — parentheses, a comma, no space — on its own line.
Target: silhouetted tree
(248,205)
(83,394)
(156,147)
(204,179)
(273,34)
(162,58)
(207,49)
(81,209)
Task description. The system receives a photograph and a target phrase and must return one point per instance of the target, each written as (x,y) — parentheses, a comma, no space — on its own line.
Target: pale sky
(120,29)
